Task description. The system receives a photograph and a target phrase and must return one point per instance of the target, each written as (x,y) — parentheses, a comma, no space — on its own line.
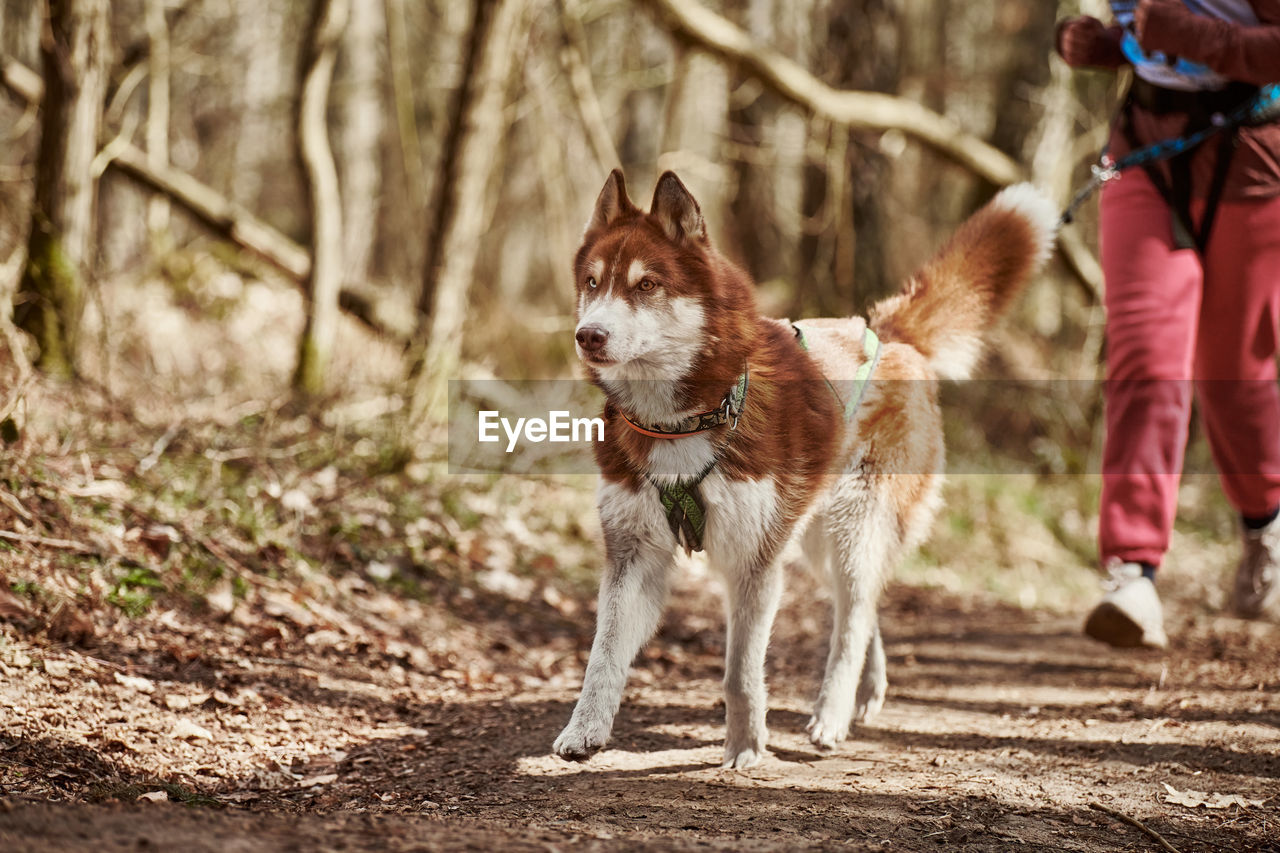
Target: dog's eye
(647,284)
(591,281)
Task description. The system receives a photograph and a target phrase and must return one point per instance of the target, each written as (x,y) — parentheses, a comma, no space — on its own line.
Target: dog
(736,433)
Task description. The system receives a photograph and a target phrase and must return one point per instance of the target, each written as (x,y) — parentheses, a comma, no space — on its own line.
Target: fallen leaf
(1215,800)
(68,624)
(185,730)
(324,639)
(176,702)
(12,608)
(322,779)
(222,598)
(155,797)
(135,682)
(57,668)
(159,538)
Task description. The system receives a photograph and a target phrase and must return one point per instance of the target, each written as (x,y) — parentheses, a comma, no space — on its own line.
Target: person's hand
(1157,23)
(1158,10)
(1087,42)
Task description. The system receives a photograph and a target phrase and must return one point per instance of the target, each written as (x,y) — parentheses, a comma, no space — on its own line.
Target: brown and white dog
(667,327)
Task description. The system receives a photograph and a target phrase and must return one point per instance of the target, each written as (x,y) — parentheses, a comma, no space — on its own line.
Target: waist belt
(1161,101)
(1203,110)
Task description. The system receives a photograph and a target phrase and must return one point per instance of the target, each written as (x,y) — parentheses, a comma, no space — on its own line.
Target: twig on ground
(14,504)
(1159,839)
(44,542)
(157,450)
(94,660)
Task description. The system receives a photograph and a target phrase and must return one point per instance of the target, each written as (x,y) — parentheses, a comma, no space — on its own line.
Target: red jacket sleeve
(1247,53)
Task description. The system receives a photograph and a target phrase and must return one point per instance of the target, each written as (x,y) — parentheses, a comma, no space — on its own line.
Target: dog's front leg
(753,601)
(632,593)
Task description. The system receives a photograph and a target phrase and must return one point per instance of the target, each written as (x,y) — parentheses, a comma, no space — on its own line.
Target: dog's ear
(611,203)
(676,210)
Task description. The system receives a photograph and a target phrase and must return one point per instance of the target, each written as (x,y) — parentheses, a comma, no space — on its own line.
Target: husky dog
(736,432)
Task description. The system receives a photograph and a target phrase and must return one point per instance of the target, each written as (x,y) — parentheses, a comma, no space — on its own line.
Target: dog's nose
(592,338)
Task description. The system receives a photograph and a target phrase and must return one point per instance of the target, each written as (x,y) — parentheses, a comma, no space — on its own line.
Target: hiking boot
(1130,614)
(1257,589)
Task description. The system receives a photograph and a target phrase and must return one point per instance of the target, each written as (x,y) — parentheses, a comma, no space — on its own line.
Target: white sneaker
(1257,589)
(1130,614)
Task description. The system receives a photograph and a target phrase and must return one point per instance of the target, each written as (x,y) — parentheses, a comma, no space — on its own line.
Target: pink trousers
(1173,318)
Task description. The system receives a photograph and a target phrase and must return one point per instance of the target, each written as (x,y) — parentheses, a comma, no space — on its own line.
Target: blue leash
(1262,108)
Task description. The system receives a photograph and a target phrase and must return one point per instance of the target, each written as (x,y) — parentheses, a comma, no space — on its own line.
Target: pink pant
(1171,318)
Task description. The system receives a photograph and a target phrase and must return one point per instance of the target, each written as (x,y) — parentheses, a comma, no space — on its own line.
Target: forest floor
(226,625)
(1003,727)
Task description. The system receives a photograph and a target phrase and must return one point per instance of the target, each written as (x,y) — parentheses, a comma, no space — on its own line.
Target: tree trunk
(158,113)
(402,93)
(325,281)
(754,232)
(361,154)
(51,294)
(259,39)
(473,150)
(841,251)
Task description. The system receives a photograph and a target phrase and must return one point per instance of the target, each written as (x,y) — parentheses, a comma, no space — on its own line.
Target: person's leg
(1235,372)
(1153,303)
(1235,364)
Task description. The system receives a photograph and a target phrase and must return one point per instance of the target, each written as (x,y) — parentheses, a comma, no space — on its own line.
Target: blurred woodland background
(259,235)
(245,243)
(428,166)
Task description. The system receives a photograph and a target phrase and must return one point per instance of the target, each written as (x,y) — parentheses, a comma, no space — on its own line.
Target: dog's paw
(873,684)
(742,759)
(580,741)
(869,703)
(825,734)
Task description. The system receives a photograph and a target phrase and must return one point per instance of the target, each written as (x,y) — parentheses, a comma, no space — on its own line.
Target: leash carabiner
(1104,171)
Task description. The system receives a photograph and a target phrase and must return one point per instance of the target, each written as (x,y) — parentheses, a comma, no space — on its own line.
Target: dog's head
(645,282)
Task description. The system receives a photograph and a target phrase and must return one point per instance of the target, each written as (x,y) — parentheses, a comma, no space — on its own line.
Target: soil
(297,728)
(227,628)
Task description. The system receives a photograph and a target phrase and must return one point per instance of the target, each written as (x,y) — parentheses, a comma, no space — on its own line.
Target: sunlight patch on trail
(664,761)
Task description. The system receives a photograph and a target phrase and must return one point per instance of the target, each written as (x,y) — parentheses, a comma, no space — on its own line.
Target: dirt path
(1003,728)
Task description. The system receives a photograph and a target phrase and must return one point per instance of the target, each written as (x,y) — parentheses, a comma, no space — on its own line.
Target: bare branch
(870,110)
(574,57)
(221,215)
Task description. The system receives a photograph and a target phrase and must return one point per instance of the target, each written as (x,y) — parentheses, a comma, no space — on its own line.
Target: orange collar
(728,413)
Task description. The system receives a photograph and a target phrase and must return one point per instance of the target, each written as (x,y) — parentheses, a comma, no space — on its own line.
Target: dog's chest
(742,517)
(681,460)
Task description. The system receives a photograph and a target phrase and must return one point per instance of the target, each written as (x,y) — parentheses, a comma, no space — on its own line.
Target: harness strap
(1262,108)
(1226,150)
(1178,196)
(682,500)
(871,349)
(686,513)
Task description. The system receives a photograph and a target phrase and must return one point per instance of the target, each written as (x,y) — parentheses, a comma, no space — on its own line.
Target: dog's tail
(951,301)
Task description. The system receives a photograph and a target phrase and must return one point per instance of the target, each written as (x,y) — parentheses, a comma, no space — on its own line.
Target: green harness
(871,349)
(682,500)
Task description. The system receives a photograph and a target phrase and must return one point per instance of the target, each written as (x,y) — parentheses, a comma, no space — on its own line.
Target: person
(1190,251)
